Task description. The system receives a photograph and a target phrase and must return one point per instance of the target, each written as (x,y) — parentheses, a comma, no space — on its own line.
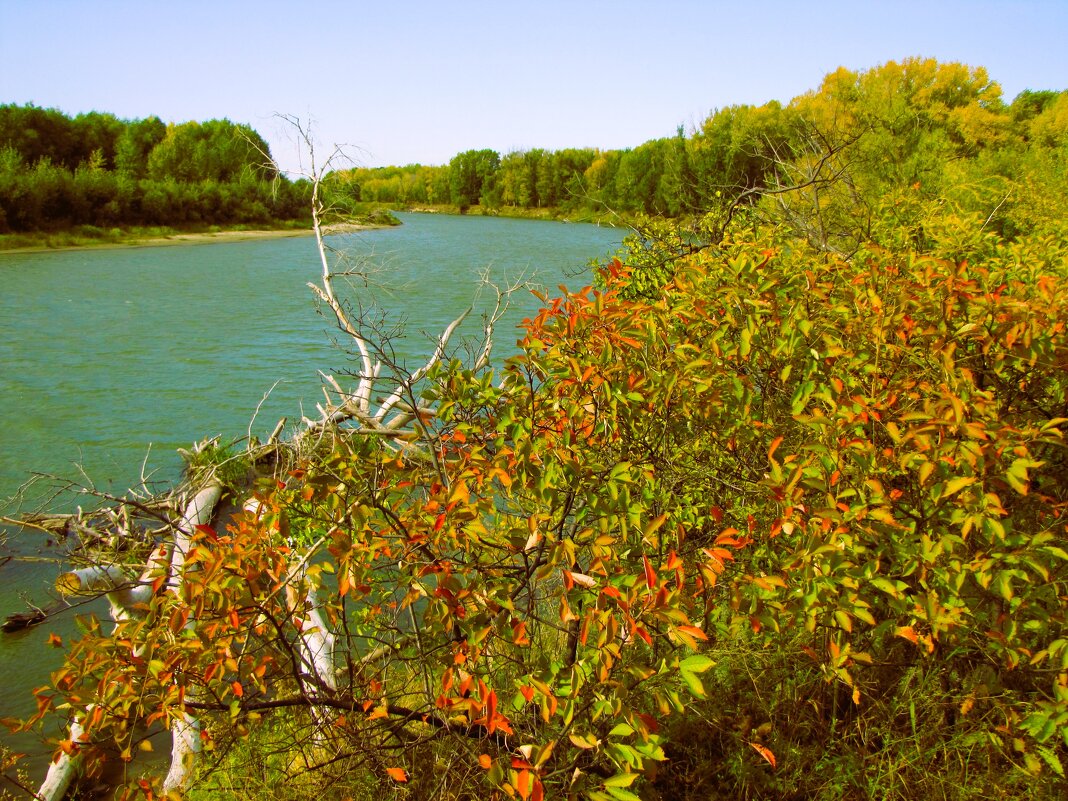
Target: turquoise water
(114,358)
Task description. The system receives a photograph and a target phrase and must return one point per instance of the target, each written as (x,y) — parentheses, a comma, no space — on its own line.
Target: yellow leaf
(955,485)
(584,742)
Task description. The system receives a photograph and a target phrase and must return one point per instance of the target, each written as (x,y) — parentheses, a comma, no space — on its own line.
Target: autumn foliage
(850,465)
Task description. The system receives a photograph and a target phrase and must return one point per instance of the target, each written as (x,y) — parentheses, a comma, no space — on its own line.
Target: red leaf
(237,688)
(491,711)
(650,722)
(439,522)
(650,574)
(764,752)
(208,531)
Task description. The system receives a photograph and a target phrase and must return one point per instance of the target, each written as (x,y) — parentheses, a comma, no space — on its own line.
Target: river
(110,359)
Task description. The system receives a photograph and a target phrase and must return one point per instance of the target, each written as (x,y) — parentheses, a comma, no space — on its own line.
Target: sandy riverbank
(200,238)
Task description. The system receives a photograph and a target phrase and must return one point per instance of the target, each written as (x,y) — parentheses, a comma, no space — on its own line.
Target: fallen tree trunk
(128,597)
(185,731)
(65,768)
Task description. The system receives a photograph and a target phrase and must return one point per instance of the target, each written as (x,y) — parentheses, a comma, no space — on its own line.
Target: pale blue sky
(419,81)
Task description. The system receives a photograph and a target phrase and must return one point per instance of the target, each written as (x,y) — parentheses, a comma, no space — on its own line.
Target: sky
(417,81)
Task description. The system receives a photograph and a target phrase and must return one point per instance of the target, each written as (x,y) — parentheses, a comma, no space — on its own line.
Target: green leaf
(693,683)
(623,795)
(696,664)
(746,343)
(1003,585)
(1050,758)
(801,396)
(887,586)
(1060,553)
(621,780)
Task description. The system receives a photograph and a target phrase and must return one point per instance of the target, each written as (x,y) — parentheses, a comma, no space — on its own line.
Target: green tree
(468,171)
(135,143)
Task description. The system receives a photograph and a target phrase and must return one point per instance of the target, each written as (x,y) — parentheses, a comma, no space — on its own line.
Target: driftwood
(48,523)
(24,620)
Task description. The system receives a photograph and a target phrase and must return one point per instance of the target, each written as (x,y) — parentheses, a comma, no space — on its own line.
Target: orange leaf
(764,752)
(519,633)
(484,761)
(774,446)
(908,633)
(237,688)
(397,774)
(522,784)
(693,631)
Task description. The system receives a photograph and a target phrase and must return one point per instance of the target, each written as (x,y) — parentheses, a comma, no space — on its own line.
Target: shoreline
(196,238)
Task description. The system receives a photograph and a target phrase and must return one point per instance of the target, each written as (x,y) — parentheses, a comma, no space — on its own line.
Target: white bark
(317,643)
(197,513)
(125,594)
(407,385)
(185,730)
(185,746)
(63,771)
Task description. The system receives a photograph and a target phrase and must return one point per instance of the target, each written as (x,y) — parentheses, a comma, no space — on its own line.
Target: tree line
(94,169)
(940,127)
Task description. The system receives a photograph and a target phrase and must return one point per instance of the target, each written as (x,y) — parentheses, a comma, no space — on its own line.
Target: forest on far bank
(943,127)
(58,172)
